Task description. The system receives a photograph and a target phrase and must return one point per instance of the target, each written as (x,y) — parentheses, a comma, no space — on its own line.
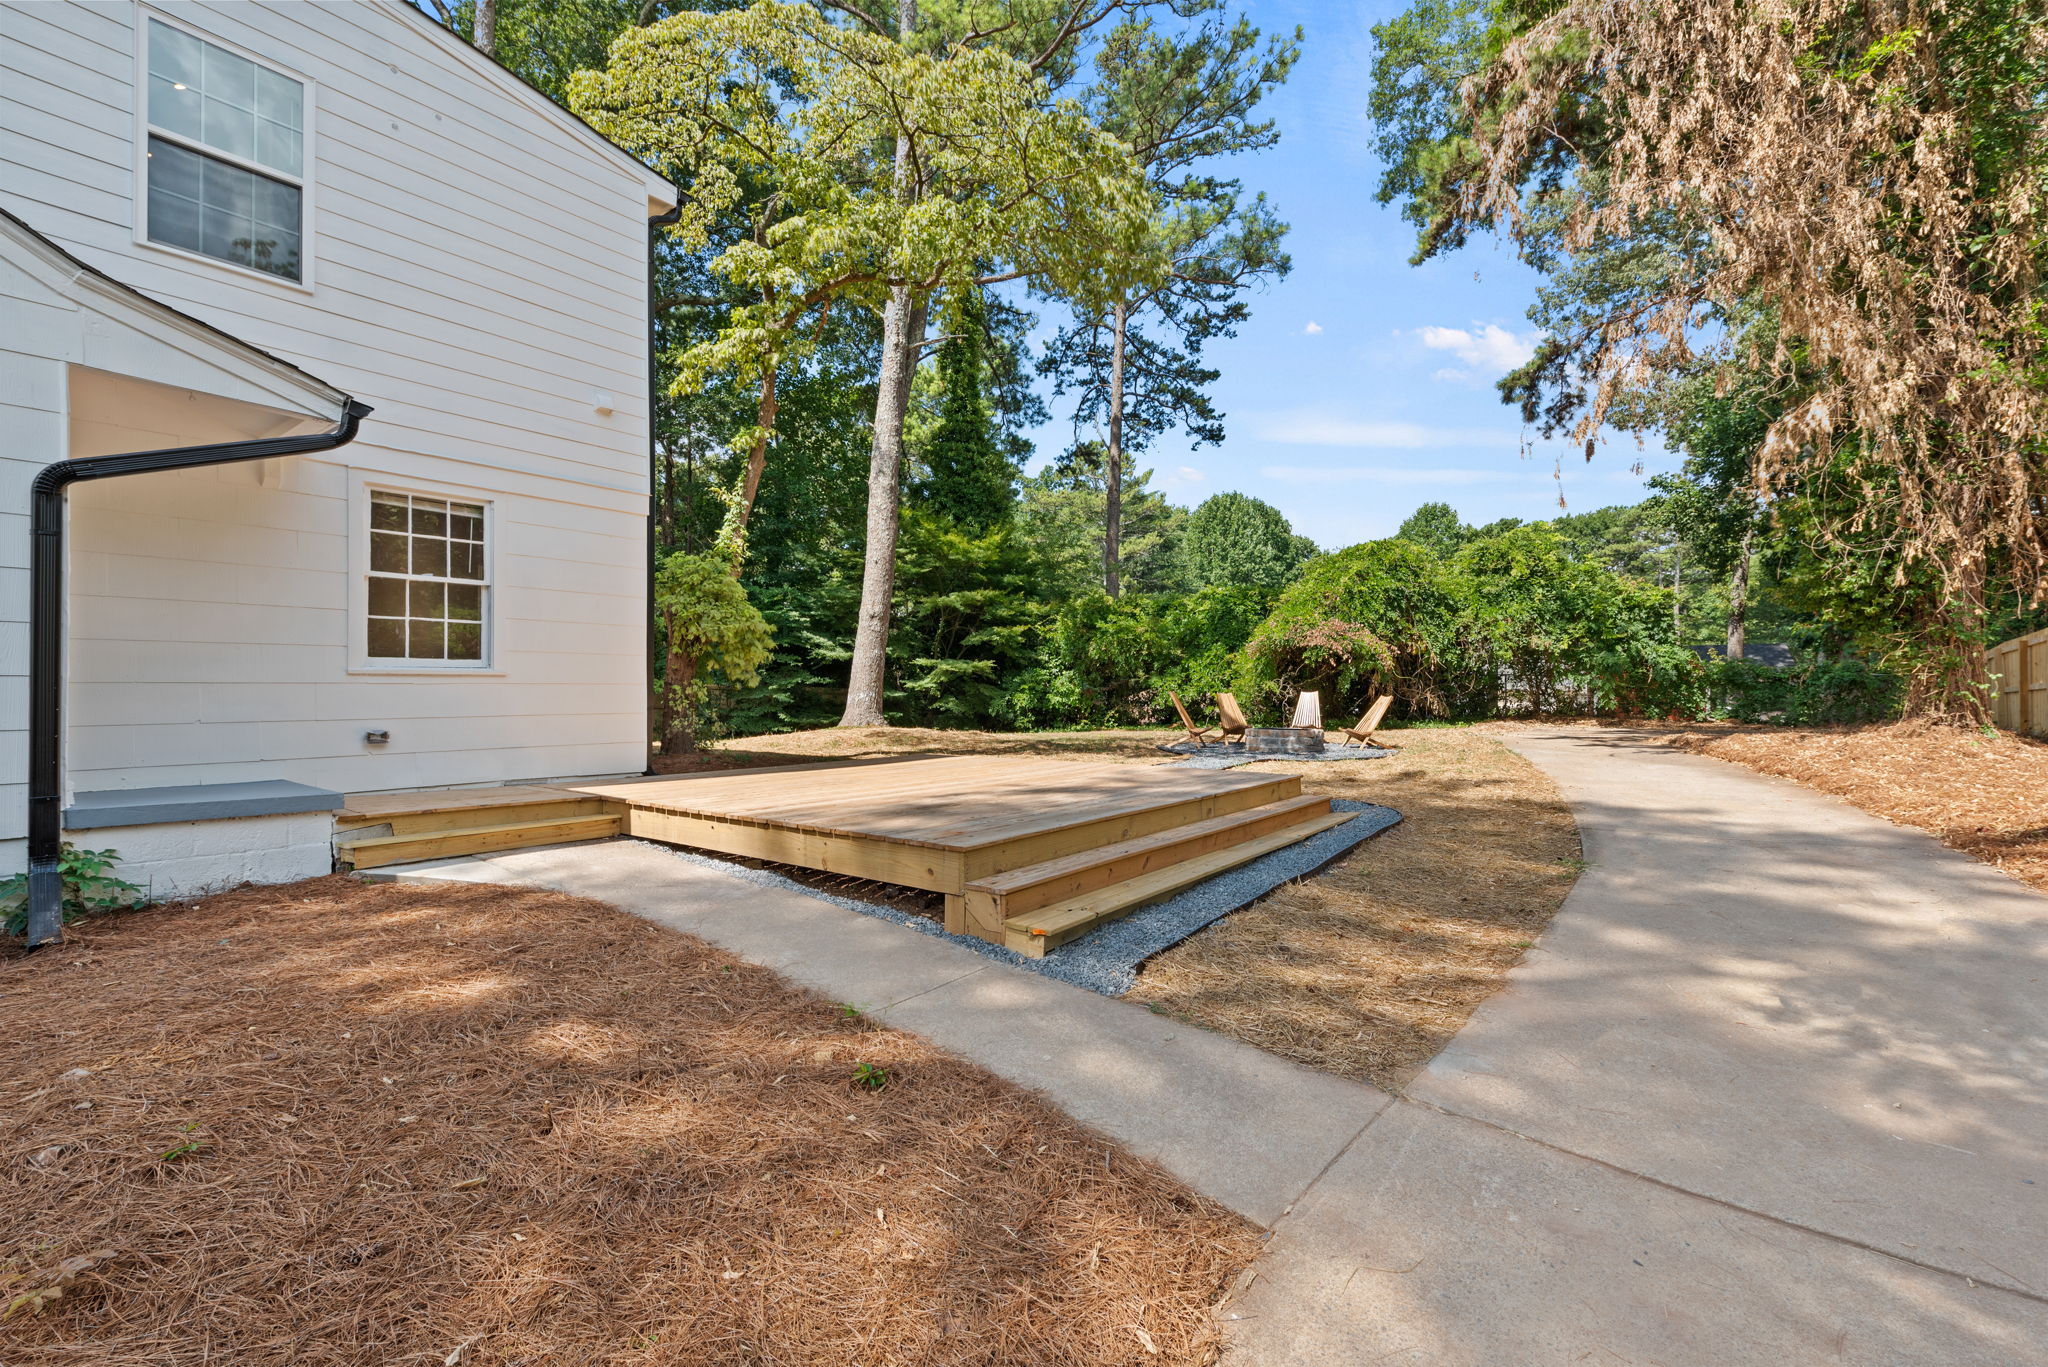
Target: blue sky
(1363,386)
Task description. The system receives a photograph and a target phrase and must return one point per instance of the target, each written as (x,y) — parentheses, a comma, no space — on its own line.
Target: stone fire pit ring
(1284,740)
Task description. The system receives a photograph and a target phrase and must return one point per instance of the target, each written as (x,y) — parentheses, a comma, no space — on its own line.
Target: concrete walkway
(1772,1090)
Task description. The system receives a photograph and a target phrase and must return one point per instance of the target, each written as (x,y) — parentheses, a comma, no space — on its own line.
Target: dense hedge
(1840,691)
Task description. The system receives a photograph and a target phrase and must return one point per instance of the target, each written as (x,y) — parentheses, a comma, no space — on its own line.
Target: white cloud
(1313,328)
(1181,477)
(1314,429)
(1487,347)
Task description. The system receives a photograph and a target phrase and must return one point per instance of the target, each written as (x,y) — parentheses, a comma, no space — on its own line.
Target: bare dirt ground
(1982,792)
(337,1123)
(1368,968)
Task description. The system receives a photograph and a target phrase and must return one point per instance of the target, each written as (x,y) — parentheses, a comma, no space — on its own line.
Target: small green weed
(872,1076)
(187,1148)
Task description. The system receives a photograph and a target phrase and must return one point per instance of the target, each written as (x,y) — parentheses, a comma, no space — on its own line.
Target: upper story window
(227,154)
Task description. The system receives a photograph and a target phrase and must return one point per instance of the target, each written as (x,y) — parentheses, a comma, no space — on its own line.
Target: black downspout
(654,488)
(46,635)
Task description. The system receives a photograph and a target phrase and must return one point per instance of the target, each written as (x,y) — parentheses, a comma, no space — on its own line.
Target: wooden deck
(1027,852)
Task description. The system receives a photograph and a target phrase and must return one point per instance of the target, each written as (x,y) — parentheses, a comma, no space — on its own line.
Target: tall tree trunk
(487,27)
(1738,597)
(1113,475)
(903,323)
(679,713)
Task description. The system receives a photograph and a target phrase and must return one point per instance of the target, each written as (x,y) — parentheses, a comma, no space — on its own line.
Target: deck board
(960,802)
(935,822)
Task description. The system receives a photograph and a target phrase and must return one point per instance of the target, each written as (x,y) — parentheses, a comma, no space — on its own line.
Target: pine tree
(968,477)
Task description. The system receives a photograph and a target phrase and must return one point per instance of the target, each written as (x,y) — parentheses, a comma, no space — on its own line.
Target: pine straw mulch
(338,1123)
(1982,792)
(1367,968)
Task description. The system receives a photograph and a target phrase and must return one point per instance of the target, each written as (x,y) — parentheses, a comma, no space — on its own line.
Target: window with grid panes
(226,154)
(427,579)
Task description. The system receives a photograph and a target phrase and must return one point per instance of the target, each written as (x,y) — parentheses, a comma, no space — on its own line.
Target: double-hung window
(428,580)
(226,155)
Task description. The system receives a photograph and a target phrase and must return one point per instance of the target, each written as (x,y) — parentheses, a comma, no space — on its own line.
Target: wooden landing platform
(1027,852)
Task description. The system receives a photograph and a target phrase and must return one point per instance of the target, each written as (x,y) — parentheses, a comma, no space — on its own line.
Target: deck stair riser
(1073,832)
(404,838)
(1035,932)
(464,818)
(994,900)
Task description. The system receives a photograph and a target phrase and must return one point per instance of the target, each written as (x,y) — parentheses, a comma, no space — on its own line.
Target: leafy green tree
(776,110)
(1565,634)
(712,634)
(1181,101)
(548,41)
(1237,541)
(1060,515)
(1437,526)
(1382,617)
(1844,169)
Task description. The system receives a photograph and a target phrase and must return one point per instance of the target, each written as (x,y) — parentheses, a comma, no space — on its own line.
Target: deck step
(1000,896)
(1034,932)
(458,816)
(374,851)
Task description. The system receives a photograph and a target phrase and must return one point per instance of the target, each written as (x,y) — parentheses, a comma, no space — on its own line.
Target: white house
(227,221)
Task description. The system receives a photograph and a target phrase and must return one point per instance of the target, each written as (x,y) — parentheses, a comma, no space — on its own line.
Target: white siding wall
(478,275)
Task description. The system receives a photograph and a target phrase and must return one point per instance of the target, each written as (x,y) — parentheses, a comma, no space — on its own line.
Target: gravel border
(1106,960)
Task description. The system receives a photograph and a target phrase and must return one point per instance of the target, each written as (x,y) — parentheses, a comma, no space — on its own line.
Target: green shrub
(1836,692)
(1375,618)
(1105,661)
(90,887)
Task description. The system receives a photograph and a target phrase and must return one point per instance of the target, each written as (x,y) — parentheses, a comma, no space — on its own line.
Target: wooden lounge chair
(1234,723)
(1308,711)
(1370,722)
(1198,734)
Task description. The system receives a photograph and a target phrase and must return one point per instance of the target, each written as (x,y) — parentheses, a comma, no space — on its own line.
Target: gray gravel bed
(1231,754)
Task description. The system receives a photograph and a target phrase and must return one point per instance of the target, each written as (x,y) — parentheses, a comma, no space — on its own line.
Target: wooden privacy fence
(2018,670)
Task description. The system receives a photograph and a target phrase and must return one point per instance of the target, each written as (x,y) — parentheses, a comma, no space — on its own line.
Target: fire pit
(1284,740)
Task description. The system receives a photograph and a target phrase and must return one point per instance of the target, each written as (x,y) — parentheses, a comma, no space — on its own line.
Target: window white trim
(145,130)
(362,486)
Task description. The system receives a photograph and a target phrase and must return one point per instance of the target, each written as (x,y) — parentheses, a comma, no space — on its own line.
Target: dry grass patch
(337,1123)
(1982,792)
(1368,968)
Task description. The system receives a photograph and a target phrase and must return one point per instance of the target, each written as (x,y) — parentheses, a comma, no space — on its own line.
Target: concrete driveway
(1771,1091)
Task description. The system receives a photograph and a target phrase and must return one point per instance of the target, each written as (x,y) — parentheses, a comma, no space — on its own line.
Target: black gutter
(653,468)
(46,635)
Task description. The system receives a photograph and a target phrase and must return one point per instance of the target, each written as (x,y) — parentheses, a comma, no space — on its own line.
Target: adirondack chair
(1370,722)
(1308,711)
(1234,723)
(1198,734)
